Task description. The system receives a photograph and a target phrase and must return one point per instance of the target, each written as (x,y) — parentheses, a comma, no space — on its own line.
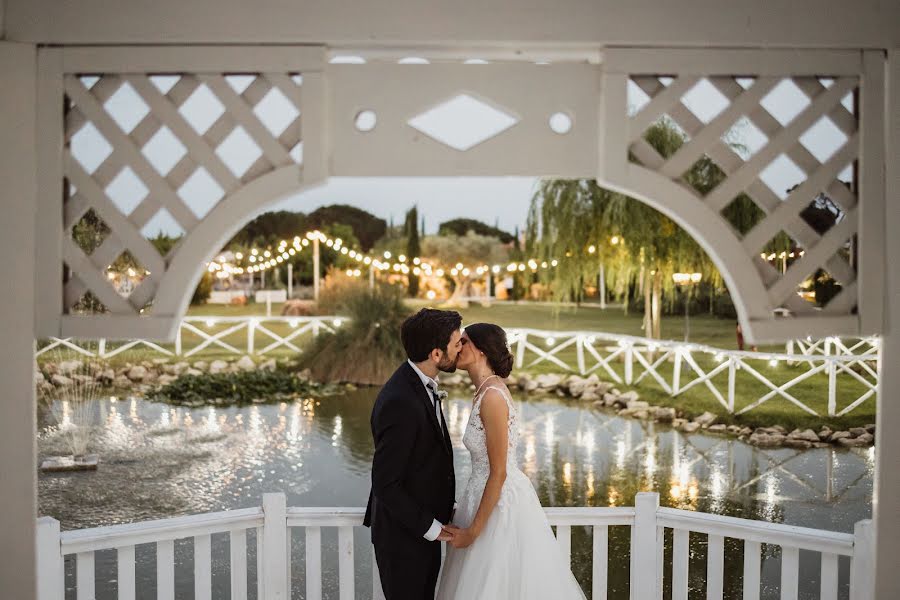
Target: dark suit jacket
(412,470)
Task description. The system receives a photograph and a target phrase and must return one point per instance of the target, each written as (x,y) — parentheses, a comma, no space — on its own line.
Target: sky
(458,121)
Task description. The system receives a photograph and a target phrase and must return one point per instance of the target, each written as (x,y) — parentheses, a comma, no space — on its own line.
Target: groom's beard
(449,366)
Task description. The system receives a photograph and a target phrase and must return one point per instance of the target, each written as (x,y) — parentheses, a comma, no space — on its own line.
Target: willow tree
(470,251)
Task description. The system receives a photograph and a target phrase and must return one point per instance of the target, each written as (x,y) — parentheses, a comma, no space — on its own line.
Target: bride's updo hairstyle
(491,339)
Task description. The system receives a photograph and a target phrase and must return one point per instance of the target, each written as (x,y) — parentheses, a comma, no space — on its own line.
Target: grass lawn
(705,329)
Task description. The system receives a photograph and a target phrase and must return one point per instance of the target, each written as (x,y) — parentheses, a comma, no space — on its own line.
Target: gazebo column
(17,247)
(887,449)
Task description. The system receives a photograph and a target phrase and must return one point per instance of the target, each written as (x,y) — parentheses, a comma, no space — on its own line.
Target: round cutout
(560,123)
(365,120)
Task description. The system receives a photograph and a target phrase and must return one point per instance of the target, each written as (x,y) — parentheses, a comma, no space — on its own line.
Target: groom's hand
(460,538)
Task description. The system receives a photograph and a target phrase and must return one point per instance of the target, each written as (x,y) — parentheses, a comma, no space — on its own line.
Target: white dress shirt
(430,384)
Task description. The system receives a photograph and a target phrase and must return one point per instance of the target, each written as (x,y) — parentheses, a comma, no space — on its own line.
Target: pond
(160,461)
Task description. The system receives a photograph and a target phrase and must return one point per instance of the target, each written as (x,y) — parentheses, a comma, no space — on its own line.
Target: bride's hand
(462,538)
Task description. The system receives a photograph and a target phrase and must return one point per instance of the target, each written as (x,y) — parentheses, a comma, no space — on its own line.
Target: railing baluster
(643,547)
(238,550)
(313,563)
(202,567)
(715,567)
(564,541)
(165,570)
(829,585)
(345,563)
(276,548)
(600,561)
(50,571)
(751,570)
(260,577)
(84,575)
(125,574)
(680,556)
(790,573)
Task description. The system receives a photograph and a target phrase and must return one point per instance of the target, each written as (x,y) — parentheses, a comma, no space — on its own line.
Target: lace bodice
(475,440)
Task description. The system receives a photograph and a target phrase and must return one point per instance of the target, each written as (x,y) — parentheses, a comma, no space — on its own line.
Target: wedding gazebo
(561,73)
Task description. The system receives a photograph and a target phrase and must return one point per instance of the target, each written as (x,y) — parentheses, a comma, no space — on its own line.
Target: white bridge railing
(624,359)
(642,358)
(273,524)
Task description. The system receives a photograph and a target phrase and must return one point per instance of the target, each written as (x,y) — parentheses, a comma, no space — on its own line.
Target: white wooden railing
(273,523)
(622,359)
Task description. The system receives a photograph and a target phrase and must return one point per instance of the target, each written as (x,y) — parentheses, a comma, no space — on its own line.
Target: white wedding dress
(516,555)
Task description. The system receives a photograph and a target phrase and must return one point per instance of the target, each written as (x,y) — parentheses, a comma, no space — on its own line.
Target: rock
(67,367)
(824,434)
(629,397)
(217,366)
(548,381)
(766,440)
(867,437)
(779,429)
(590,396)
(201,365)
(106,376)
(575,386)
(676,422)
(745,431)
(38,377)
(871,428)
(857,431)
(609,399)
(839,435)
(60,380)
(635,404)
(180,367)
(267,365)
(122,382)
(160,361)
(664,414)
(690,427)
(705,420)
(169,369)
(166,379)
(603,387)
(734,429)
(718,428)
(849,442)
(807,435)
(137,373)
(798,443)
(83,379)
(193,372)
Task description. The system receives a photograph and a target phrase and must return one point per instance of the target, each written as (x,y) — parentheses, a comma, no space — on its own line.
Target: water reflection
(158,460)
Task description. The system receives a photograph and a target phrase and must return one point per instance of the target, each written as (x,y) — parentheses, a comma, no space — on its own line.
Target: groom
(413,484)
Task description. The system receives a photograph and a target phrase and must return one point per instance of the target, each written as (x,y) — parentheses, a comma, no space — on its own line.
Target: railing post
(251,330)
(520,349)
(676,373)
(579,353)
(178,339)
(50,582)
(832,387)
(629,363)
(862,567)
(101,348)
(732,371)
(275,535)
(644,581)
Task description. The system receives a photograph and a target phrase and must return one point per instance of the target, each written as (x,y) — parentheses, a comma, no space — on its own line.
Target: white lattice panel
(197,149)
(805,116)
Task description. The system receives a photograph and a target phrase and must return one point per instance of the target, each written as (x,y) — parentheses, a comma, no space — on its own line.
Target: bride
(502,545)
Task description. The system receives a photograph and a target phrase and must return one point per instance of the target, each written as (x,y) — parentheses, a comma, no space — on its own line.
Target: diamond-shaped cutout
(126,107)
(89,81)
(275,111)
(126,273)
(88,304)
(745,82)
(823,139)
(778,251)
(238,151)
(164,83)
(822,213)
(847,100)
(846,176)
(164,150)
(637,98)
(126,191)
(743,214)
(297,153)
(201,192)
(781,175)
(785,101)
(745,138)
(297,78)
(705,101)
(462,122)
(89,147)
(823,287)
(201,109)
(90,232)
(240,83)
(162,224)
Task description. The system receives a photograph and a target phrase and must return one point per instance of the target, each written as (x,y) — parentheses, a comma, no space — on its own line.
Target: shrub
(367,349)
(234,388)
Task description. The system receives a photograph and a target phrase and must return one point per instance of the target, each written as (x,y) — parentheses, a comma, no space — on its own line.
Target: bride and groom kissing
(500,544)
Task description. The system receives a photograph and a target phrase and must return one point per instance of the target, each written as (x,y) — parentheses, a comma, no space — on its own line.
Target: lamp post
(687,281)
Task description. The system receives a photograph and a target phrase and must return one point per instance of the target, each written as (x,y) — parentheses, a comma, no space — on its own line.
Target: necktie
(438,409)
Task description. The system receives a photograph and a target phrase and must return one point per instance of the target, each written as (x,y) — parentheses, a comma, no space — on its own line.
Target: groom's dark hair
(426,330)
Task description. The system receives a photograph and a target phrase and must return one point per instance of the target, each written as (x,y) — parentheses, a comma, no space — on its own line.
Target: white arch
(228,216)
(710,230)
